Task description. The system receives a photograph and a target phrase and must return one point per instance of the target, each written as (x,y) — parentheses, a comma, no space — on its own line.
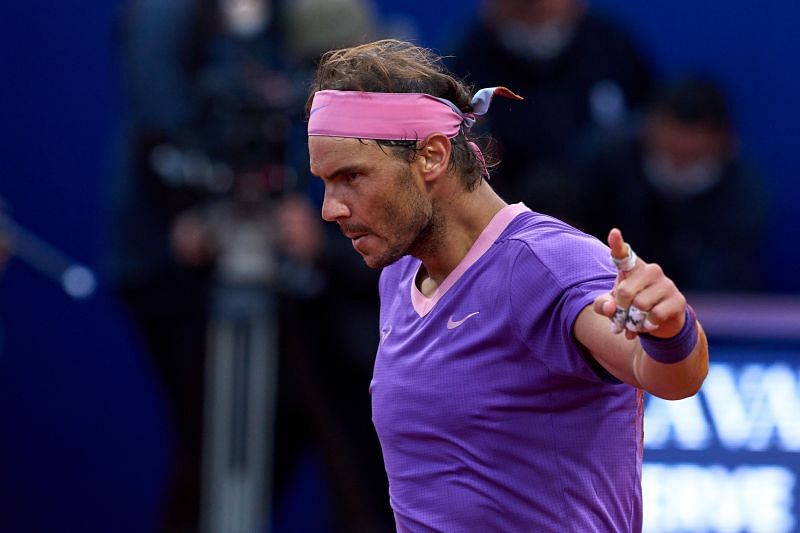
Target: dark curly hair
(392,66)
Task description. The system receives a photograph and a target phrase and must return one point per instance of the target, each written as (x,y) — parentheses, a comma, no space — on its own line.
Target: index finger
(621,252)
(619,248)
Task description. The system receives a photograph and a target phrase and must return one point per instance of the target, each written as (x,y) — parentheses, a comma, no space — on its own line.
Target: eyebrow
(343,170)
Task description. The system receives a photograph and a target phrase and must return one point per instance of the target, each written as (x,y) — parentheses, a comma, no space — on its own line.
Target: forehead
(327,155)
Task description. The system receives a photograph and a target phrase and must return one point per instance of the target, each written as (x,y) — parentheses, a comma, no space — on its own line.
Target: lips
(358,240)
(355,237)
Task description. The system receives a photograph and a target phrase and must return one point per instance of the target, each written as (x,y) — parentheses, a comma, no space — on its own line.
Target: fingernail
(649,326)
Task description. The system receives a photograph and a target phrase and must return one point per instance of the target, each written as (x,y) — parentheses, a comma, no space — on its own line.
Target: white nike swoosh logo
(453,324)
(385,334)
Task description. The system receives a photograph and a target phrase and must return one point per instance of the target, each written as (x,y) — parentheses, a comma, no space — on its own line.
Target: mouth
(355,236)
(358,235)
(359,240)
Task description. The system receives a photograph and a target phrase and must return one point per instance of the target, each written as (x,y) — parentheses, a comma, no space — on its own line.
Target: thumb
(605,305)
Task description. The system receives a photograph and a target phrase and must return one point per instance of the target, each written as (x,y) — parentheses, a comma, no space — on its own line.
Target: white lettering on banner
(681,424)
(755,410)
(687,497)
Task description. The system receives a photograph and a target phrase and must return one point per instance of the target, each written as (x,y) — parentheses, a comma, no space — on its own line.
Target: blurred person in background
(5,249)
(312,27)
(578,72)
(677,184)
(211,176)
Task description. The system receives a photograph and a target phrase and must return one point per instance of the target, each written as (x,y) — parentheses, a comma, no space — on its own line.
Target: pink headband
(395,116)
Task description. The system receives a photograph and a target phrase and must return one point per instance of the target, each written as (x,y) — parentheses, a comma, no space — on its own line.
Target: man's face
(537,13)
(375,198)
(685,144)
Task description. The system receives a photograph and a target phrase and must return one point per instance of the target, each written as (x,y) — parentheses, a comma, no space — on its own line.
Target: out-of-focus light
(78,281)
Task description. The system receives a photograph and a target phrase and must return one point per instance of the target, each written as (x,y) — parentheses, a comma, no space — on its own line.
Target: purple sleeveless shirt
(490,415)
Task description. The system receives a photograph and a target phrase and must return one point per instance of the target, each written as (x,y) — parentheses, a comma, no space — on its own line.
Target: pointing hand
(643,299)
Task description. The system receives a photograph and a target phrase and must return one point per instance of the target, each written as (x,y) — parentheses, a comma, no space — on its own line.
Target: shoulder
(565,253)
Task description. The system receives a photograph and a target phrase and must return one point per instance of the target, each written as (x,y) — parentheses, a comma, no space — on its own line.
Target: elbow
(687,387)
(679,393)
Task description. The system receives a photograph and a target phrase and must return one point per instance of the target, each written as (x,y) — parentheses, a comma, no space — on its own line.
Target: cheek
(406,212)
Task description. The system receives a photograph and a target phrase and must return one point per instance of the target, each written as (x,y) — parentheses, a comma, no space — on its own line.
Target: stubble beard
(421,229)
(429,237)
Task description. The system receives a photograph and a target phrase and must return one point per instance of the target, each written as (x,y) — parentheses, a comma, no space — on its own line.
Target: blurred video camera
(227,175)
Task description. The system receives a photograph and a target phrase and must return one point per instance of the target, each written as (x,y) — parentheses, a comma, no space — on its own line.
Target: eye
(351,176)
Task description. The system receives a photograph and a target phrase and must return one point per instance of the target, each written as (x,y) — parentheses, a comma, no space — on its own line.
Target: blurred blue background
(84,444)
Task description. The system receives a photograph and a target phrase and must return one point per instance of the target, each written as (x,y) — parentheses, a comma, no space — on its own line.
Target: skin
(299,232)
(535,14)
(390,208)
(649,289)
(684,143)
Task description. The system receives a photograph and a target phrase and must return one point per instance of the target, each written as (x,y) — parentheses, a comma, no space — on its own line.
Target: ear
(433,156)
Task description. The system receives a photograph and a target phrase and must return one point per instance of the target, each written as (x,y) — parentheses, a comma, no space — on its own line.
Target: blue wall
(84,441)
(84,445)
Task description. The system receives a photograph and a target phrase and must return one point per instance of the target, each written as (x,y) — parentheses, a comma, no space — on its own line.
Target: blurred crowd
(212,189)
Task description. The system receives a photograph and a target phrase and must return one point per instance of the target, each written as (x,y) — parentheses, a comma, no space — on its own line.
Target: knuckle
(682,301)
(640,303)
(624,292)
(656,316)
(654,270)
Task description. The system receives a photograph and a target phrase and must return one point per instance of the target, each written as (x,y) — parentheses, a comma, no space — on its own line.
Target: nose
(333,208)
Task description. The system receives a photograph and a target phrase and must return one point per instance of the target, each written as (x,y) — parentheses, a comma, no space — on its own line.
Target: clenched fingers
(643,297)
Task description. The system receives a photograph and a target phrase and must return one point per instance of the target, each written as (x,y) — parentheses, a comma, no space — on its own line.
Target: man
(501,396)
(678,186)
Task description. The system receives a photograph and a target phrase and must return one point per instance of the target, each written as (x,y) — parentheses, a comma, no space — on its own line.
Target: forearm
(666,352)
(674,380)
(627,360)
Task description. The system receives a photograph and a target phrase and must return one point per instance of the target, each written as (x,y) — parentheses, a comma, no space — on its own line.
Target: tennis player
(514,349)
